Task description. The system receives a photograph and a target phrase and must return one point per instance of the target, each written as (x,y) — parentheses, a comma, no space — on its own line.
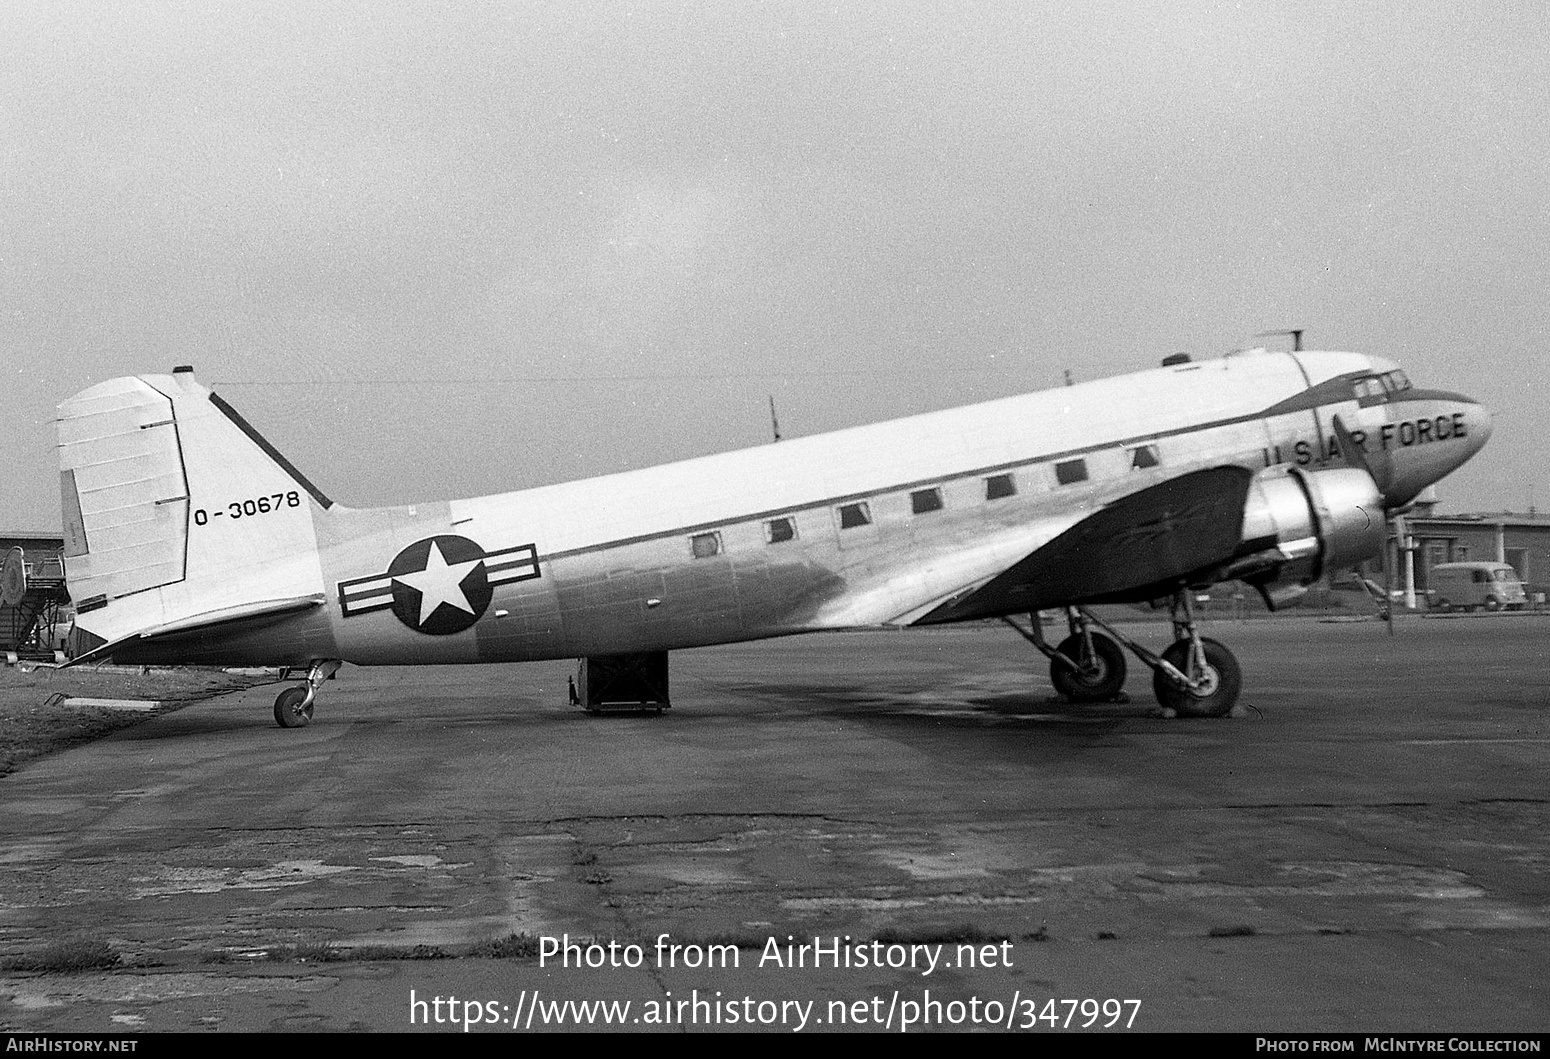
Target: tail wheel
(293,707)
(1100,676)
(1217,685)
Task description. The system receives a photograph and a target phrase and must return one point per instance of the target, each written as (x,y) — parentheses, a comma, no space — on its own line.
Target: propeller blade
(1381,470)
(1380,467)
(1388,581)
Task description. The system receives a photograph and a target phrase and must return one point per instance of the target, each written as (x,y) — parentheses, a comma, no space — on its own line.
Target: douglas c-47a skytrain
(189,539)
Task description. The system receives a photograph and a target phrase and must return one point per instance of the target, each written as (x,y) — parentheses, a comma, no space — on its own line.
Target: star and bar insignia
(439,585)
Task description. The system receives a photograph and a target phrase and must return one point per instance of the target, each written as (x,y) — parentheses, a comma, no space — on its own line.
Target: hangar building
(1523,540)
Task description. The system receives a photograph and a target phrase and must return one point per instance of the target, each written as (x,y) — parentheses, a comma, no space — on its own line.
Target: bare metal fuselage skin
(865,527)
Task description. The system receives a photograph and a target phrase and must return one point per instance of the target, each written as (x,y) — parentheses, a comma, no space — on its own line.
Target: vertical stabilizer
(176,510)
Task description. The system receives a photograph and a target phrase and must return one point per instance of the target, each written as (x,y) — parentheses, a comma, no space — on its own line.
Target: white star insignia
(440,582)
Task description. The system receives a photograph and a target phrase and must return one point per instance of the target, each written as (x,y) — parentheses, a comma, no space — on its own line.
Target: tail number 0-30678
(260,505)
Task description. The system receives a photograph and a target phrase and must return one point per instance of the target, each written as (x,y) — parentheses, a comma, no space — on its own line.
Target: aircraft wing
(900,597)
(1136,547)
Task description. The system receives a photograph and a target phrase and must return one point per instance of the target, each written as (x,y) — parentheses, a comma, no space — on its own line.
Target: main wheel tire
(1215,698)
(1099,681)
(1492,603)
(289,711)
(1443,606)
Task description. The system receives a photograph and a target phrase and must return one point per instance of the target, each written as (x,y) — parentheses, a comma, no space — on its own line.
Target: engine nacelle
(1298,524)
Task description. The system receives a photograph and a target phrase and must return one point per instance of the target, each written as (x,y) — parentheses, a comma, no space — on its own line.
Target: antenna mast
(1295,334)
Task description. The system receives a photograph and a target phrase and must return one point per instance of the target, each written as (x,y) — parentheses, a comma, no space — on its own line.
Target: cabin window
(779,530)
(854,515)
(704,545)
(925,500)
(1143,456)
(1069,472)
(1000,486)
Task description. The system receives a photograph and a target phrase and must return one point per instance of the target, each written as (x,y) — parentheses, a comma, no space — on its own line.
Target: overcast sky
(438,250)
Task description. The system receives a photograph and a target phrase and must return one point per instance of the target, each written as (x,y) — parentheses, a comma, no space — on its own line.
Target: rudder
(123,493)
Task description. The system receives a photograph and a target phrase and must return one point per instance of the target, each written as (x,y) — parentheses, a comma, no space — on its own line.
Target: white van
(1465,586)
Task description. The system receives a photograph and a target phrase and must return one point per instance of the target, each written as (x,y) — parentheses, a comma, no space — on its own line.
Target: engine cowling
(1298,524)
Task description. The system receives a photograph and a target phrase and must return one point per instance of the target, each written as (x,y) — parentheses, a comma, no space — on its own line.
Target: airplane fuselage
(864,527)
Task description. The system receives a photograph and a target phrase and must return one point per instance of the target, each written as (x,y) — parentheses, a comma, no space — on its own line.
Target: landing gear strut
(1194,677)
(1087,666)
(1210,690)
(293,706)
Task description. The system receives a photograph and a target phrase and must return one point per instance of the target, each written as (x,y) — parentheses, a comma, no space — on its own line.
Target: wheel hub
(1205,683)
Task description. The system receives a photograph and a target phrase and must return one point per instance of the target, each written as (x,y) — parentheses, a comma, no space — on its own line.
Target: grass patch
(963,934)
(521,946)
(1040,934)
(1237,931)
(374,953)
(66,957)
(306,952)
(32,731)
(326,953)
(35,720)
(735,938)
(511,947)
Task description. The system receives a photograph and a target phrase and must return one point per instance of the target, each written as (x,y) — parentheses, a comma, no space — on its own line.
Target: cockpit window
(1376,389)
(1370,390)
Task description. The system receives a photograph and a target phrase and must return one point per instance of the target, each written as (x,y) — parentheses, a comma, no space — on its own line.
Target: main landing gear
(1194,676)
(293,706)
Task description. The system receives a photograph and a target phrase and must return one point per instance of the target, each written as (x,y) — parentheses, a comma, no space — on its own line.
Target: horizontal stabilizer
(226,618)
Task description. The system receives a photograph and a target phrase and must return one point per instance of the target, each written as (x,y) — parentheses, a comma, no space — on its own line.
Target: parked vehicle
(1482,585)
